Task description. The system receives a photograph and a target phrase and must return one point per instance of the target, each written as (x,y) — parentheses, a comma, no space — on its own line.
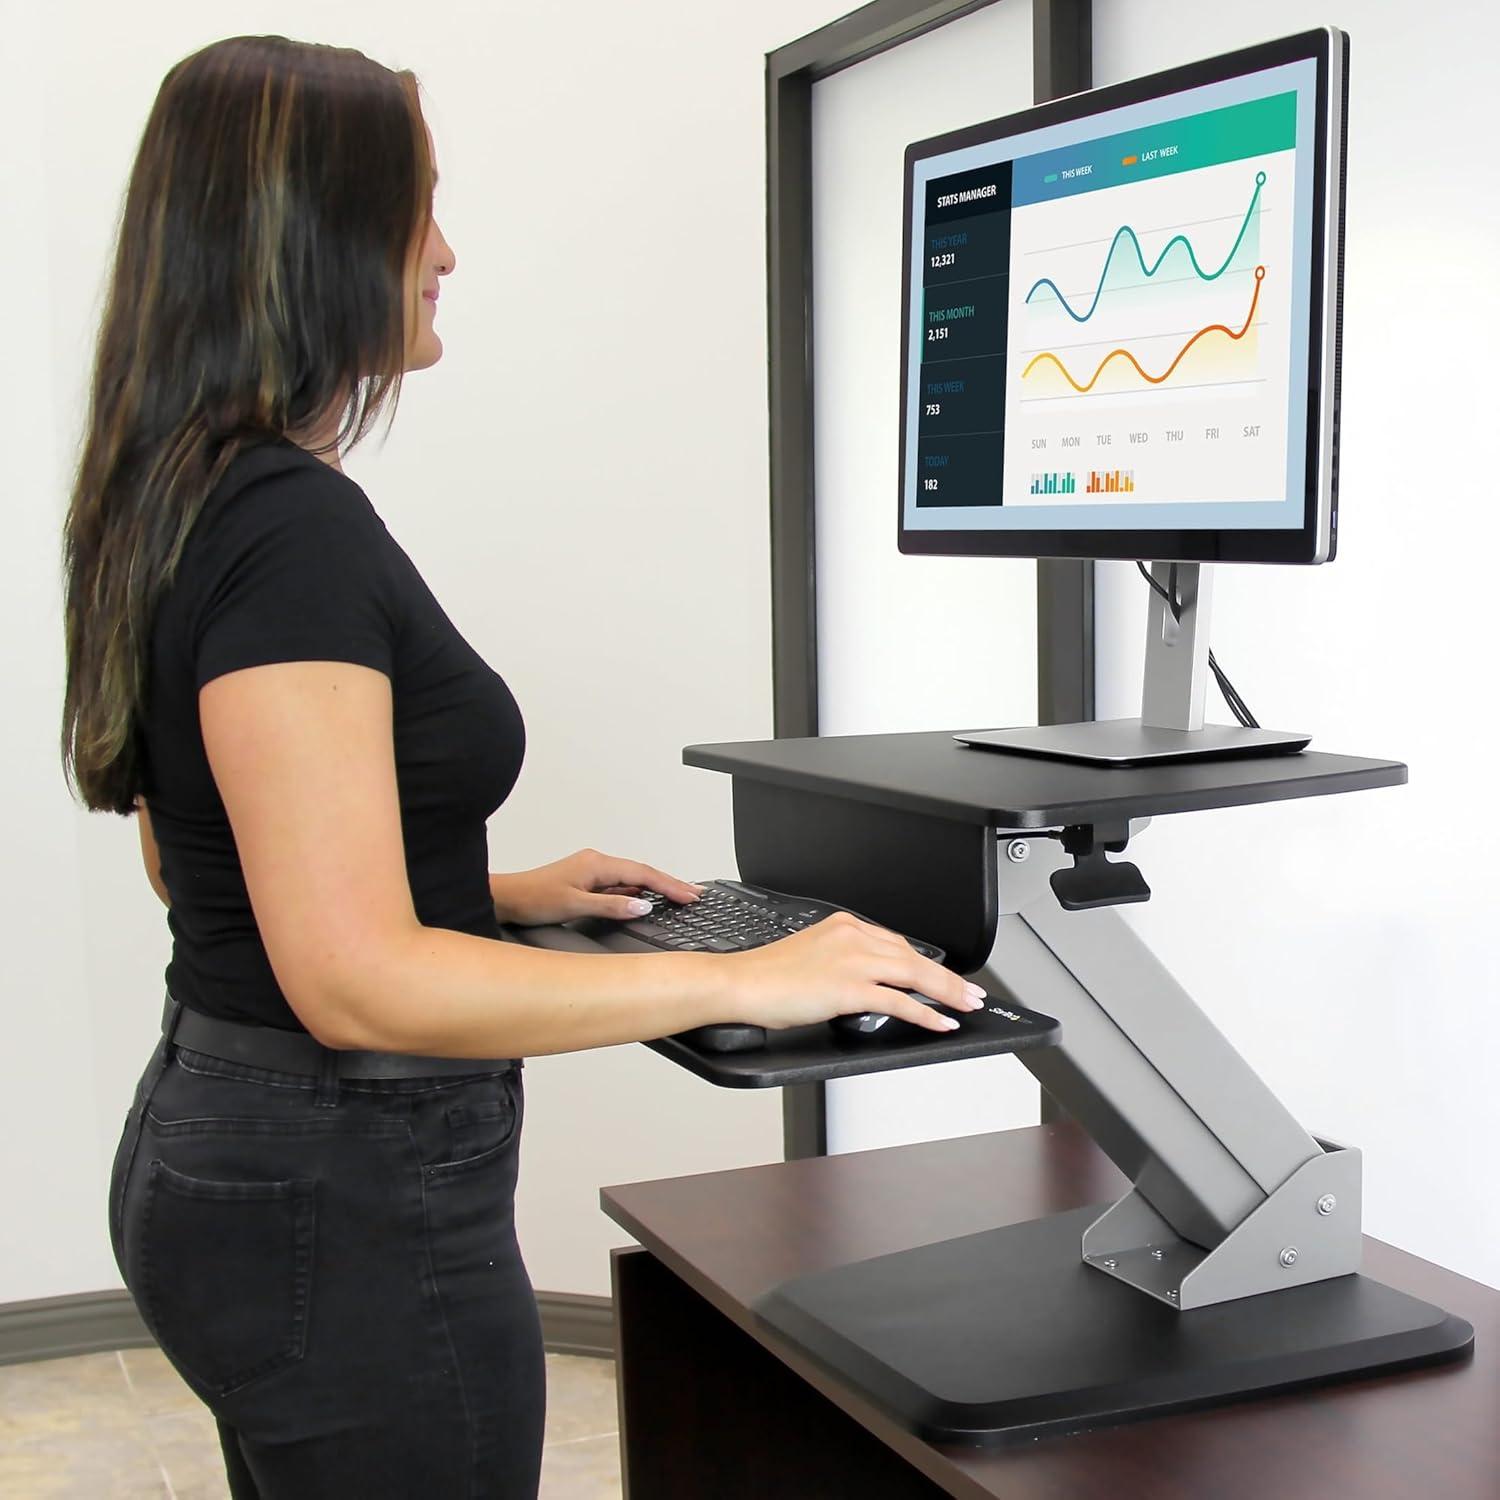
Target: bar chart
(1054,484)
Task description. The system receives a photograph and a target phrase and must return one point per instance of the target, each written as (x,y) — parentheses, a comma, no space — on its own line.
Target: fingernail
(639,908)
(950,1023)
(973,1003)
(975,993)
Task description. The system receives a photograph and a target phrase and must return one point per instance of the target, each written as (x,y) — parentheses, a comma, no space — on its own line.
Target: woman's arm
(150,854)
(303,757)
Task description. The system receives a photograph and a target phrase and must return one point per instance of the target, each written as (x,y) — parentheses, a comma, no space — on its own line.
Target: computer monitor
(1120,339)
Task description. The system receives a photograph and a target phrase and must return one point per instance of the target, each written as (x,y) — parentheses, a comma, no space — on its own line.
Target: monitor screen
(1120,319)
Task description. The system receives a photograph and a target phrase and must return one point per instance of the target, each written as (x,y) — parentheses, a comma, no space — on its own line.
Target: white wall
(49,1110)
(1342,944)
(1346,944)
(582,480)
(905,643)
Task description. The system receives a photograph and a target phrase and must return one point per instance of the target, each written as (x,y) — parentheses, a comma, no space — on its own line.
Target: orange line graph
(1083,390)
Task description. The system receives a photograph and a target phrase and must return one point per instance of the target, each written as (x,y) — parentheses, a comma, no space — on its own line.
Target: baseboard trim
(95,1322)
(575,1324)
(83,1323)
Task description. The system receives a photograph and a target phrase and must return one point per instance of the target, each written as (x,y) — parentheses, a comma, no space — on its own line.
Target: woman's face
(433,259)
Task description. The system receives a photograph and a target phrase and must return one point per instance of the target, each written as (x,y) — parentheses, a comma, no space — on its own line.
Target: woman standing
(312,1199)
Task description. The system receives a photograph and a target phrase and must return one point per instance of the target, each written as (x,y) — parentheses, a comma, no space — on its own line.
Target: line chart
(1084,389)
(1126,232)
(1174,253)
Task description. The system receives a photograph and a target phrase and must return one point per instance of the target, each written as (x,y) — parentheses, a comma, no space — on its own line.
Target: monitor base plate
(1129,742)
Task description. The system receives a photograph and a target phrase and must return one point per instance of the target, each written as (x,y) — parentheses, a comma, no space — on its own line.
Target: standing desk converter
(1229,1268)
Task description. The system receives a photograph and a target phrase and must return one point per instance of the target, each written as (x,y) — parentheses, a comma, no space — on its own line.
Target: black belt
(297,1052)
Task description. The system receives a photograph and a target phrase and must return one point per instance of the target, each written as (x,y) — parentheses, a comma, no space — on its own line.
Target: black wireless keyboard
(731,917)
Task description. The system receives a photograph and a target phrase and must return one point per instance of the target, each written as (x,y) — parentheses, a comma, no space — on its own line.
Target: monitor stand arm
(1231,1196)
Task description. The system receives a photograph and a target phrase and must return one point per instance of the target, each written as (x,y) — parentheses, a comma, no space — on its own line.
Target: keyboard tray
(811,1054)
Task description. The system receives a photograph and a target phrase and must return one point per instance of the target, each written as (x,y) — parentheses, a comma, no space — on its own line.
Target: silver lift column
(1231,1195)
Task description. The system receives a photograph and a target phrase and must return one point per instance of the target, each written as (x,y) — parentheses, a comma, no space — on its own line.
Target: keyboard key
(727,919)
(643,927)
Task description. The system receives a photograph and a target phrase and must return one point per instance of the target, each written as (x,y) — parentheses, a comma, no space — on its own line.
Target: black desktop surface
(931,773)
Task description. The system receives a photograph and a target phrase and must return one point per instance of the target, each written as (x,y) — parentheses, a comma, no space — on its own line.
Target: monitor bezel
(1315,540)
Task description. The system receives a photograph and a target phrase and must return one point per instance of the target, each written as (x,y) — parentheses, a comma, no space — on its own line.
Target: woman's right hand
(841,966)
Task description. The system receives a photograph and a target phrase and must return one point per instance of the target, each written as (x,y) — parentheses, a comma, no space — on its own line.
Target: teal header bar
(1256,128)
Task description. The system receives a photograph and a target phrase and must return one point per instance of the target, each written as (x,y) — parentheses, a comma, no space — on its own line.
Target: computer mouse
(872,1025)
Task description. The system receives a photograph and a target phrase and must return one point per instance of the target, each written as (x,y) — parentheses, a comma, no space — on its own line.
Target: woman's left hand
(585,884)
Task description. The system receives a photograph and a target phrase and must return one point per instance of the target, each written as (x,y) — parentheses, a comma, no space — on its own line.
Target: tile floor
(122,1426)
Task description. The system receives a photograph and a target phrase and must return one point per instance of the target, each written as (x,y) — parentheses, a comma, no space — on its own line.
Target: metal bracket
(1230,1196)
(1307,1230)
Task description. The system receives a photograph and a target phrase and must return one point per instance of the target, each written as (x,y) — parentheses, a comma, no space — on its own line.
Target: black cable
(1237,705)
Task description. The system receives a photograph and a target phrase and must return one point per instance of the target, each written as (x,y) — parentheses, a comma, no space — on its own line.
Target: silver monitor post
(1173,696)
(1176,680)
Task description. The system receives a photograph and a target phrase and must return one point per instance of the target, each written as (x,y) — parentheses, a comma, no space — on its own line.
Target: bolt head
(1289,1256)
(1172,1295)
(1018,851)
(1327,1203)
(1156,1255)
(1109,1265)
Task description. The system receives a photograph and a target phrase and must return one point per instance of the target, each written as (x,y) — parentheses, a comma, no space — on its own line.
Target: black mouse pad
(811,1054)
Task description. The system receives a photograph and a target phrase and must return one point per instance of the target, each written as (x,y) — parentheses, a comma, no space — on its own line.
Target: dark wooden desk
(715,1406)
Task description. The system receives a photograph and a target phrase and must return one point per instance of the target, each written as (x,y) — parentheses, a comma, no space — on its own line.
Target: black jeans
(333,1268)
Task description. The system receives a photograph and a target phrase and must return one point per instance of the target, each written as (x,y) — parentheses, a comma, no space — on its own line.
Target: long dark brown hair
(258,290)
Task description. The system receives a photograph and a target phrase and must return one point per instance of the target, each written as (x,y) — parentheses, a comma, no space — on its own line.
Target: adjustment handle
(1092,880)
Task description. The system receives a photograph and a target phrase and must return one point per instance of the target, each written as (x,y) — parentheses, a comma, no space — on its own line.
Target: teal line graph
(1126,232)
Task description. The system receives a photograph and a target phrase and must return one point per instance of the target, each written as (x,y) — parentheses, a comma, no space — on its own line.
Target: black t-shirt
(288,562)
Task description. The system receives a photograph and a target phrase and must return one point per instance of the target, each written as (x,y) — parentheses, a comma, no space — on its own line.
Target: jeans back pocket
(225,1274)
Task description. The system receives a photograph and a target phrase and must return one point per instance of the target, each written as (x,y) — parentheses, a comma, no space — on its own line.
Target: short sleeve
(297,567)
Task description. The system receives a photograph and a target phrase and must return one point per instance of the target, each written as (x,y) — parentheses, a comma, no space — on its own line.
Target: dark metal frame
(1062,51)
